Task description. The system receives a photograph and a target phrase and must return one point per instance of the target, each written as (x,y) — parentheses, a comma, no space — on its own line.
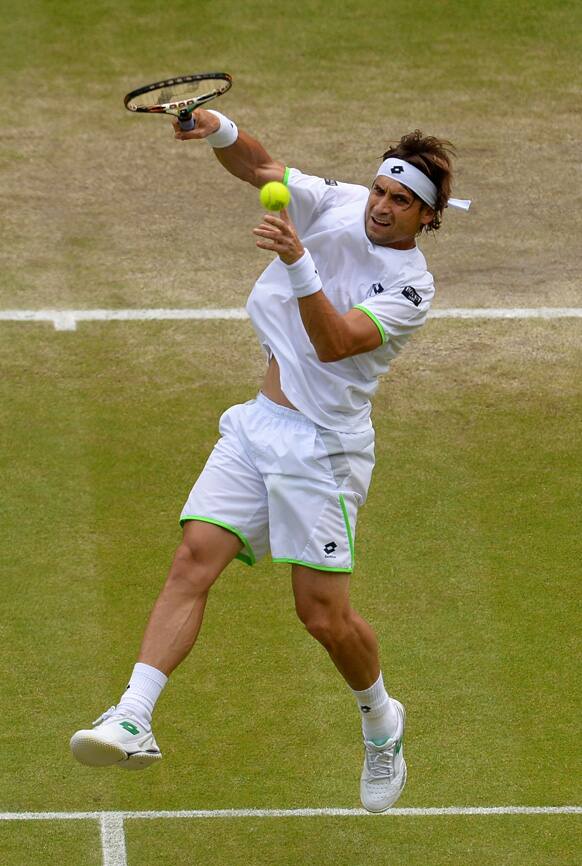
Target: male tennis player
(346,290)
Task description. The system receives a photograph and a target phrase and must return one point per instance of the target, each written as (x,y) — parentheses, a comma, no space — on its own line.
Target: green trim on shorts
(374,319)
(314,566)
(247,559)
(348,529)
(286,175)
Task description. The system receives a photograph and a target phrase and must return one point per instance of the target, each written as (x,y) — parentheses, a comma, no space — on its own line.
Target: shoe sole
(94,752)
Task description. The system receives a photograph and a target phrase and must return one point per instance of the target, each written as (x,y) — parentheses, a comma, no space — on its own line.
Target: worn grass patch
(106,209)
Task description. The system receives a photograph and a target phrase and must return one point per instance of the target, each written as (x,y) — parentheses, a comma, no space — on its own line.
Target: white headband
(410,176)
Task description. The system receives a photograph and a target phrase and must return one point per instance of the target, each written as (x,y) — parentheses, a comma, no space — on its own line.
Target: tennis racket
(179,96)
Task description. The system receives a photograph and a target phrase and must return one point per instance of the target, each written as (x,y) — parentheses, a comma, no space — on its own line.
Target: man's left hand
(277,233)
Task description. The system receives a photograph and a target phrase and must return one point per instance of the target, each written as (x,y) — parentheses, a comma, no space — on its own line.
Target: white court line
(113,834)
(293,813)
(113,839)
(66,320)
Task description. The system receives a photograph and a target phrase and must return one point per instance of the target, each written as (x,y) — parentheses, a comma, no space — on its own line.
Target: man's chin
(375,234)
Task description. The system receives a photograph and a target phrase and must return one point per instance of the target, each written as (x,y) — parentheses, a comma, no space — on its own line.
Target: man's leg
(175,621)
(323,605)
(123,735)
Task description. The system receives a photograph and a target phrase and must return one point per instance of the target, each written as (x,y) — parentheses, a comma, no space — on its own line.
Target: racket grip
(187,124)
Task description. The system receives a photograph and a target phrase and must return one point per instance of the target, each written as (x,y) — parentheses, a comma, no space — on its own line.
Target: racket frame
(181,108)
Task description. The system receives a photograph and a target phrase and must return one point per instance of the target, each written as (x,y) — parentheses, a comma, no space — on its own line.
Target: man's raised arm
(245,158)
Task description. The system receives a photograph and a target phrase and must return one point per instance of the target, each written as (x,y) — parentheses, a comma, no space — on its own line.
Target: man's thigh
(321,591)
(230,494)
(314,500)
(312,523)
(210,545)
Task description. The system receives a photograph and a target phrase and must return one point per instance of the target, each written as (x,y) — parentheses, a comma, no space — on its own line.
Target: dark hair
(432,156)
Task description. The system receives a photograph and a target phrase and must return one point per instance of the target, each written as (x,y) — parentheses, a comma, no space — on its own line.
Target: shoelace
(380,764)
(106,715)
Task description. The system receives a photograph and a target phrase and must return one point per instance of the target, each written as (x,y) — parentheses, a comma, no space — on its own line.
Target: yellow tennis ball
(275,195)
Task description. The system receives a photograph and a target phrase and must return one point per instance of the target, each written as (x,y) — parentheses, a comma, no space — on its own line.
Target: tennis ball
(274,195)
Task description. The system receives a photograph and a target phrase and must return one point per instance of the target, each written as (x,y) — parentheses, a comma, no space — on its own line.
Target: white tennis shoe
(384,772)
(116,741)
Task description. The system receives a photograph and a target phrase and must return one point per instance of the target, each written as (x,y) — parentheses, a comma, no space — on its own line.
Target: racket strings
(172,95)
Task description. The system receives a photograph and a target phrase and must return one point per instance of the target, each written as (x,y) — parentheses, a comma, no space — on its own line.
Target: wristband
(303,276)
(226,134)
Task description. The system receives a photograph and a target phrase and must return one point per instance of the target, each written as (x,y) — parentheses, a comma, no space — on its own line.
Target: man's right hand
(206,124)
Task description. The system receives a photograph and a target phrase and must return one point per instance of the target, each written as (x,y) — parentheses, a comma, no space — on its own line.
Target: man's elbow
(328,354)
(263,174)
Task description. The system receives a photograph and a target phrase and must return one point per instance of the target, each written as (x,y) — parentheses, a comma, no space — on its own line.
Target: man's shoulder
(333,189)
(404,279)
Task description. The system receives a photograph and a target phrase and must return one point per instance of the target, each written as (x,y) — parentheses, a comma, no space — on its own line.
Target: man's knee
(326,624)
(191,569)
(204,553)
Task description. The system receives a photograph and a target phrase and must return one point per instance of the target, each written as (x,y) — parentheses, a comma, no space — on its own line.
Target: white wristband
(303,276)
(226,134)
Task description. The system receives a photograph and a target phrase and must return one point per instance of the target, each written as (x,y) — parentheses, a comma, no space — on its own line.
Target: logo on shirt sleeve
(412,295)
(330,181)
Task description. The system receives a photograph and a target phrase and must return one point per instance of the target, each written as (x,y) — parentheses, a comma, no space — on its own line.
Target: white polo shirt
(391,286)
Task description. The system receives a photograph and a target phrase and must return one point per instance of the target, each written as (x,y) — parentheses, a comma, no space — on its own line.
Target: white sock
(144,688)
(378,714)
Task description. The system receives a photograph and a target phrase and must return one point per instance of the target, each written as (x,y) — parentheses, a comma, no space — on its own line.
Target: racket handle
(187,123)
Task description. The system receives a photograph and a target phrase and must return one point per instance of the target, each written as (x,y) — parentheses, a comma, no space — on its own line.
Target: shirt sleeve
(400,310)
(311,196)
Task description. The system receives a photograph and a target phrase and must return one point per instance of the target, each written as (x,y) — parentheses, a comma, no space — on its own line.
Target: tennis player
(347,288)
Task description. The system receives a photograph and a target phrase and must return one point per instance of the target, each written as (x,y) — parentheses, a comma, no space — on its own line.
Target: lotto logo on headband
(418,182)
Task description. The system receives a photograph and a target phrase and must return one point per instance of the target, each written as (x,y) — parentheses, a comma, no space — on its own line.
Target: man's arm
(246,159)
(333,336)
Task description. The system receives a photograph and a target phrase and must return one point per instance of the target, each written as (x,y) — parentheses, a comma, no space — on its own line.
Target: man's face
(394,215)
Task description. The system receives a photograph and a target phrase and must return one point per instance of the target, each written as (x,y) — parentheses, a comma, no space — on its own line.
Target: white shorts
(282,483)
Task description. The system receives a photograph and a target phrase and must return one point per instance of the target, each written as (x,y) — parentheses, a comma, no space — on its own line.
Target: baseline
(66,320)
(409,811)
(112,830)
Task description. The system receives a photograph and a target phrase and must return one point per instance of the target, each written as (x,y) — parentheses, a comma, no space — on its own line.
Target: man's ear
(426,215)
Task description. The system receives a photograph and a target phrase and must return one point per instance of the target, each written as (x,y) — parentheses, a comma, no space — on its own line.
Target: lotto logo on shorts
(329,549)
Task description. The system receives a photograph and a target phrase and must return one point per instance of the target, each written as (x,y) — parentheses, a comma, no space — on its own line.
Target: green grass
(466,568)
(345,842)
(52,843)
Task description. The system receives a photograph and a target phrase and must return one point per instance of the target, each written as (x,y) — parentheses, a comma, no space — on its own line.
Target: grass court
(467,549)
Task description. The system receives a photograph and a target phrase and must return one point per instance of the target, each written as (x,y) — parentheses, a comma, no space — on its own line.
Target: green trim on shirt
(375,320)
(286,175)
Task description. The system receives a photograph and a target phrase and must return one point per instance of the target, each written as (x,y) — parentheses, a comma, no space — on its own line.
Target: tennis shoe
(384,772)
(116,741)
